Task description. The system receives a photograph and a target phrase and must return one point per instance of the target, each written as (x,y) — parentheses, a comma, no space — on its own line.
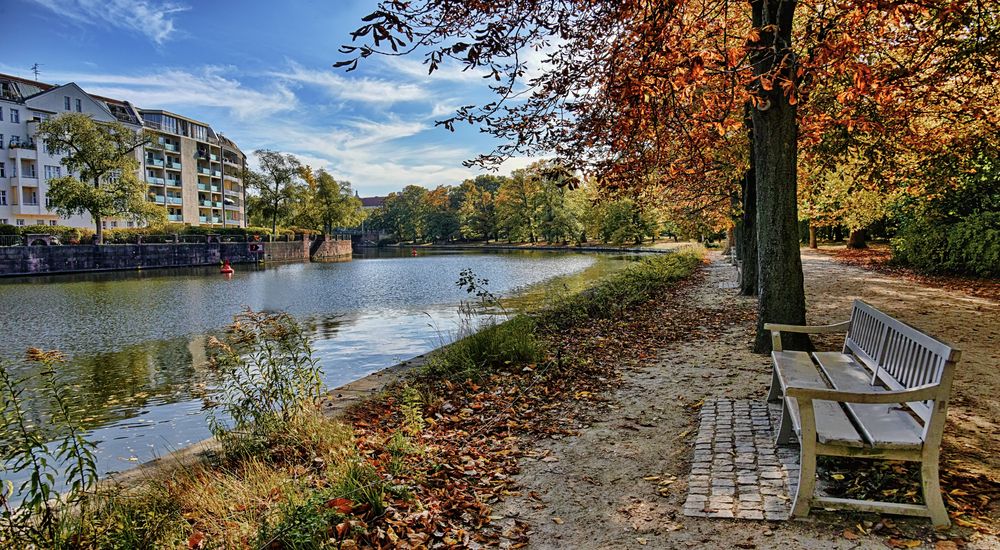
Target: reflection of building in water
(323,328)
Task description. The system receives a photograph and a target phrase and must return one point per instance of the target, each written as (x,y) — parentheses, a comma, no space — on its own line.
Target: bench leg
(774,394)
(807,460)
(784,427)
(932,490)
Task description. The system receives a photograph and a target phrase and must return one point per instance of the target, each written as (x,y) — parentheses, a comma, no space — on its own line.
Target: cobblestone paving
(737,471)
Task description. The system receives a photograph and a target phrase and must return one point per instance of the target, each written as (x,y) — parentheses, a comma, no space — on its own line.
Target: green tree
(276,185)
(477,206)
(335,202)
(104,156)
(440,220)
(517,205)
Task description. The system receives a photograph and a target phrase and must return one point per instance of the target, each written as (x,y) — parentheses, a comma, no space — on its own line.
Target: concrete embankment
(46,260)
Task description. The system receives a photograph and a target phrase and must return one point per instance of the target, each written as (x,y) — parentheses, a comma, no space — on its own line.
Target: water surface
(136,341)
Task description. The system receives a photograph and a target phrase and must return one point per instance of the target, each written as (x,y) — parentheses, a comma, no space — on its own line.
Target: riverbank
(661,247)
(420,462)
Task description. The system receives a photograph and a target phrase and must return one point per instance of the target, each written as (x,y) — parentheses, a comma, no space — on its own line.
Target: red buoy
(226,268)
(413,252)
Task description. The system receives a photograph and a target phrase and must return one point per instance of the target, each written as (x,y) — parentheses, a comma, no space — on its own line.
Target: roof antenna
(34,69)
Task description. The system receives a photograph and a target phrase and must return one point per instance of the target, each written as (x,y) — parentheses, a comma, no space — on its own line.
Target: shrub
(270,378)
(633,285)
(969,246)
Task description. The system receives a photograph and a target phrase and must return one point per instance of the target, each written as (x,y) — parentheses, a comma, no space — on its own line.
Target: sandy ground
(589,491)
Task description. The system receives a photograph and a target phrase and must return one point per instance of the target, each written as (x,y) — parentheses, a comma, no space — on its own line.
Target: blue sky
(260,72)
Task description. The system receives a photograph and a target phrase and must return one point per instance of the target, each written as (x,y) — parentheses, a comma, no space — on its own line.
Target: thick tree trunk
(812,236)
(858,239)
(98,230)
(749,258)
(779,275)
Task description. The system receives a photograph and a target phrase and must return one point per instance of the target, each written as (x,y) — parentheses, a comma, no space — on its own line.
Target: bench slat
(885,426)
(832,425)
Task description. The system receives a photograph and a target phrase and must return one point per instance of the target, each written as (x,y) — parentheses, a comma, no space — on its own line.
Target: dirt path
(593,490)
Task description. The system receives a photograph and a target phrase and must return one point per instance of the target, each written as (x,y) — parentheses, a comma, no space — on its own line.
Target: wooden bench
(884,396)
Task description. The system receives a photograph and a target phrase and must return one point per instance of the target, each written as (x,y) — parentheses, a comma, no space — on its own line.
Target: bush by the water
(633,285)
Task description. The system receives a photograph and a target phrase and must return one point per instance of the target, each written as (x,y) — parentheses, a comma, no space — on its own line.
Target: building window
(114,225)
(15,141)
(52,222)
(52,172)
(79,106)
(48,203)
(3,197)
(1,116)
(66,102)
(1,141)
(15,116)
(131,224)
(2,173)
(20,223)
(3,221)
(104,225)
(40,222)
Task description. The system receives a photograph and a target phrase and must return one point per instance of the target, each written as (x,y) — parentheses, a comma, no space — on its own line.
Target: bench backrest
(899,356)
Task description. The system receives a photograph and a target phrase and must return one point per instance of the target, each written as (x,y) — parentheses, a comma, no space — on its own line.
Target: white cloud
(150,18)
(364,89)
(178,88)
(448,70)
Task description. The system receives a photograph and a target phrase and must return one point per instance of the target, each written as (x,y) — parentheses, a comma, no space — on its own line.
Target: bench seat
(882,426)
(833,427)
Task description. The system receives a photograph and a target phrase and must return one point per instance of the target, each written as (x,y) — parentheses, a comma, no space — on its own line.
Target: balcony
(207,204)
(216,219)
(24,181)
(205,171)
(232,207)
(234,192)
(175,217)
(214,157)
(175,200)
(158,199)
(216,173)
(203,219)
(171,147)
(155,180)
(203,186)
(231,162)
(232,177)
(173,183)
(154,162)
(155,144)
(217,204)
(173,165)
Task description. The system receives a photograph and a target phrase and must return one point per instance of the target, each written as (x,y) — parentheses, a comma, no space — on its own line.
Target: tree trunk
(748,246)
(812,236)
(858,239)
(779,275)
(98,230)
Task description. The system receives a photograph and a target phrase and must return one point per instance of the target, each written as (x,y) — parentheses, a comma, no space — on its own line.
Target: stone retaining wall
(37,260)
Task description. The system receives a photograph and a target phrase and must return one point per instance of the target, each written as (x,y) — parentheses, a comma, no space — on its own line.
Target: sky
(261,73)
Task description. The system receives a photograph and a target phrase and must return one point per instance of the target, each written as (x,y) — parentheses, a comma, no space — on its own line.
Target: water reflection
(137,342)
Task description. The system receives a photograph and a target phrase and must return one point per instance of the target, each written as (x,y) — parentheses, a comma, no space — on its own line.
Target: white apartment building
(193,171)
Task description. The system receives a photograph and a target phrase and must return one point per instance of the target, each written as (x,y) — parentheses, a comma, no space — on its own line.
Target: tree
(477,206)
(336,204)
(636,88)
(104,156)
(517,206)
(276,185)
(440,220)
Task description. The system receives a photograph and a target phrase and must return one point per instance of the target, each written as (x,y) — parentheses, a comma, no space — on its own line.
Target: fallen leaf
(196,540)
(558,521)
(850,535)
(904,543)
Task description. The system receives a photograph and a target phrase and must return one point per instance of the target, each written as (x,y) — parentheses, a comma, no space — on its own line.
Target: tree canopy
(101,165)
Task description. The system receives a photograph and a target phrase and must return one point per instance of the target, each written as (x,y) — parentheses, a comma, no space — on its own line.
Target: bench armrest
(777,328)
(919,393)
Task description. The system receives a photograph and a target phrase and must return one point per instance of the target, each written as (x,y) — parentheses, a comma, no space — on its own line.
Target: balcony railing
(214,157)
(203,219)
(155,162)
(170,147)
(232,177)
(173,183)
(158,199)
(152,179)
(175,200)
(216,173)
(205,171)
(174,165)
(234,192)
(175,217)
(206,203)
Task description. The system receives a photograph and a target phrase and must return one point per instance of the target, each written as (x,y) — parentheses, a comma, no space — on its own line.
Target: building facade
(190,169)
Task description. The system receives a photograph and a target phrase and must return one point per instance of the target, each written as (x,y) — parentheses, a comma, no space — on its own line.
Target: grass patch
(512,342)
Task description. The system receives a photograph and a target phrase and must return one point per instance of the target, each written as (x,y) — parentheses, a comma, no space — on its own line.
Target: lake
(136,341)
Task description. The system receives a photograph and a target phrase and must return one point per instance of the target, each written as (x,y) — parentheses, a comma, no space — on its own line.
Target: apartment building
(190,169)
